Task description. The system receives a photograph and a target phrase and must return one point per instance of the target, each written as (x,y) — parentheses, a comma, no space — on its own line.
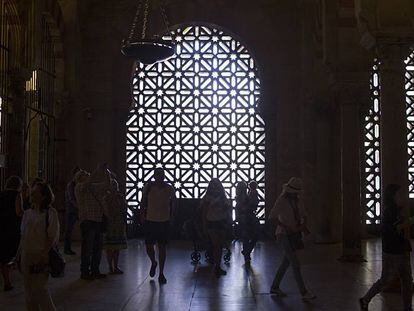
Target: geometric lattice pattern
(372,142)
(372,174)
(196,116)
(409,87)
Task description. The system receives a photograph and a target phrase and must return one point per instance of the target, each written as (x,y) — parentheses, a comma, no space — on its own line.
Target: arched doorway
(196,115)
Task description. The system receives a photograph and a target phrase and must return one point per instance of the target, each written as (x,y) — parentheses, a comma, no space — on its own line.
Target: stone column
(393,126)
(16,145)
(351,97)
(327,210)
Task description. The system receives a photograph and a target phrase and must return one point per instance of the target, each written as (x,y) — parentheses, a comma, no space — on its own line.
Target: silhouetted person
(89,192)
(11,213)
(158,202)
(37,239)
(246,206)
(216,209)
(396,250)
(71,212)
(115,235)
(291,223)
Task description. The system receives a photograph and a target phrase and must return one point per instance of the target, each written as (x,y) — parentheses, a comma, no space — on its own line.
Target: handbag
(56,261)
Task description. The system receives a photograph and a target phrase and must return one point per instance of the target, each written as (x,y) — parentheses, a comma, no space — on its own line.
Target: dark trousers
(290,259)
(70,221)
(92,242)
(393,265)
(249,233)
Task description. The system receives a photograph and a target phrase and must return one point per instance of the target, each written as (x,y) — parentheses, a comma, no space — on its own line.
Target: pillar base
(352,258)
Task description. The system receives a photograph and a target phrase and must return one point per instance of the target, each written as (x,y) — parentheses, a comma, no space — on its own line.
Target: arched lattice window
(372,195)
(196,115)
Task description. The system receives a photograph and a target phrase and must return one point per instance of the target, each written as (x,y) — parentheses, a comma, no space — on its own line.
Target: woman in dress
(115,236)
(11,212)
(38,237)
(216,209)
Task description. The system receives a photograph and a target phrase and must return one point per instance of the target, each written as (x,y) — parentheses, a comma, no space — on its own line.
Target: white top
(33,229)
(283,211)
(159,203)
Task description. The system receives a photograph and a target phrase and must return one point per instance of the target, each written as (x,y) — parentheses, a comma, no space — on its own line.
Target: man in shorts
(158,201)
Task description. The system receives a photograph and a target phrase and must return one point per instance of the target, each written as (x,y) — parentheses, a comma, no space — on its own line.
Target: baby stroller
(193,231)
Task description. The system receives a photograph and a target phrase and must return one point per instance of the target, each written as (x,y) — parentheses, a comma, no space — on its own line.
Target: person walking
(71,212)
(158,204)
(216,211)
(396,250)
(89,193)
(38,236)
(246,206)
(115,235)
(290,220)
(11,212)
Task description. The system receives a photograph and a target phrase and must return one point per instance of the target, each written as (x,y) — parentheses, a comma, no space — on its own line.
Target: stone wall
(297,103)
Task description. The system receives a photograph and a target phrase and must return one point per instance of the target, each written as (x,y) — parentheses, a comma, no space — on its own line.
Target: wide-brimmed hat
(294,185)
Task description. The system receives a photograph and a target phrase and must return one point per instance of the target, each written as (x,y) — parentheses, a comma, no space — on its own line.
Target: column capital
(352,88)
(392,55)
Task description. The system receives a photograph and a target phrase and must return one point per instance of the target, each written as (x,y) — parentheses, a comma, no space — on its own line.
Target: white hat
(294,185)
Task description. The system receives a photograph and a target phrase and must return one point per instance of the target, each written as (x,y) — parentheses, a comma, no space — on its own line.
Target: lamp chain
(164,16)
(135,22)
(145,21)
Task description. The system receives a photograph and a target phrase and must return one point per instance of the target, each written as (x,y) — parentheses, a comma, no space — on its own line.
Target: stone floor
(194,287)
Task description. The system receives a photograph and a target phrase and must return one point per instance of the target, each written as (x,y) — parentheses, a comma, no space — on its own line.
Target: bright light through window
(409,87)
(196,115)
(372,195)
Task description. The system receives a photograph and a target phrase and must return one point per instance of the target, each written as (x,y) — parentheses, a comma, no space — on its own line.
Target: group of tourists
(158,202)
(30,228)
(102,216)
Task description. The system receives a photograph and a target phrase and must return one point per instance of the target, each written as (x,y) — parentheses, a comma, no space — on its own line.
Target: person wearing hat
(290,220)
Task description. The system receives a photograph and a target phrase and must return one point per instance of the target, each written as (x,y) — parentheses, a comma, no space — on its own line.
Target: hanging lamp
(147,50)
